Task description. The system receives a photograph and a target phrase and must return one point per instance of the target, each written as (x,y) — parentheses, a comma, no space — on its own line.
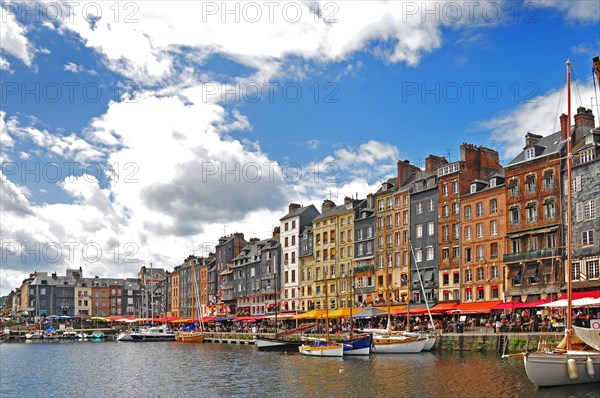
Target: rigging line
(577,88)
(596,93)
(559,104)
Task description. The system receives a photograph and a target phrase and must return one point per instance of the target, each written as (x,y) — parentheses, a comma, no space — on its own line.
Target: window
(455,278)
(479,253)
(587,237)
(430,205)
(286,242)
(467,212)
(494,272)
(479,230)
(468,255)
(455,187)
(293,224)
(467,232)
(473,188)
(493,182)
(494,227)
(530,183)
(445,279)
(405,200)
(445,211)
(468,275)
(456,208)
(445,190)
(493,206)
(419,207)
(529,153)
(592,269)
(514,216)
(456,231)
(494,250)
(380,204)
(576,272)
(513,188)
(388,203)
(419,231)
(446,233)
(456,252)
(293,240)
(549,208)
(445,253)
(589,209)
(495,294)
(480,294)
(418,255)
(587,155)
(479,211)
(430,229)
(548,179)
(285,227)
(405,217)
(429,253)
(532,243)
(531,210)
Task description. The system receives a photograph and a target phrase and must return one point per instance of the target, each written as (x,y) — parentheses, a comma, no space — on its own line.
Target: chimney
(564,126)
(433,162)
(371,201)
(584,117)
(531,139)
(405,170)
(327,204)
(253,241)
(293,206)
(347,200)
(275,231)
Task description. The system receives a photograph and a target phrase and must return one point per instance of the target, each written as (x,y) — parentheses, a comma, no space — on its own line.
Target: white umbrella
(582,302)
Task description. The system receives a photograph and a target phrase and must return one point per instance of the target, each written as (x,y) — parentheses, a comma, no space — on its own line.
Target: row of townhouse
(467,231)
(44,294)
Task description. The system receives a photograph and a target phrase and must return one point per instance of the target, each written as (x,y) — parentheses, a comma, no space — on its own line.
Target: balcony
(364,268)
(532,255)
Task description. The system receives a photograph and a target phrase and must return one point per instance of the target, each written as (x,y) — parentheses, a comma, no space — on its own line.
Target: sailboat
(393,343)
(558,367)
(277,343)
(329,349)
(361,344)
(192,334)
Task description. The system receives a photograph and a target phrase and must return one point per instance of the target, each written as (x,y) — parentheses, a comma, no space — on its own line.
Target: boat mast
(326,304)
(422,287)
(275,276)
(569,211)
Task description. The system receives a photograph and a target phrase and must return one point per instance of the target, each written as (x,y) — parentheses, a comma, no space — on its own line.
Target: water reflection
(216,370)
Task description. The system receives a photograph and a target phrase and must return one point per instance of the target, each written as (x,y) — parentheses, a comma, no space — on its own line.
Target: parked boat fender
(589,364)
(572,369)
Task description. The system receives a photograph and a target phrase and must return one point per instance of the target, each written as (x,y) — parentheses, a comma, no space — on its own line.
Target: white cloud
(74,68)
(313,144)
(13,38)
(582,11)
(539,116)
(5,65)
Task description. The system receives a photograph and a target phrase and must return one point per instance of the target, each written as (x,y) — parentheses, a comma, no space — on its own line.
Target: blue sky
(387,81)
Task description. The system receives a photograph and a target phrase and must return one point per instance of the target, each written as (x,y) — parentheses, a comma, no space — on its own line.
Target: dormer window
(493,182)
(529,153)
(473,188)
(587,156)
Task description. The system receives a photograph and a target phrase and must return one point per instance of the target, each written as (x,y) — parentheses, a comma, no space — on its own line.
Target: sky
(139,132)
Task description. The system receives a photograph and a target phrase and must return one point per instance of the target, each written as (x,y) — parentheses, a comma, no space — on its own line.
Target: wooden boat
(359,345)
(397,344)
(329,349)
(559,367)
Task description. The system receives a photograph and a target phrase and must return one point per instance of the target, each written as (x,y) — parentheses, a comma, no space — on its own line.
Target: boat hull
(272,344)
(358,346)
(332,350)
(190,337)
(394,345)
(551,369)
(137,337)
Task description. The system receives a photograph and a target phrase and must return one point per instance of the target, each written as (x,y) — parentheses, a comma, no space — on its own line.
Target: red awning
(478,307)
(581,294)
(533,304)
(443,307)
(249,318)
(505,306)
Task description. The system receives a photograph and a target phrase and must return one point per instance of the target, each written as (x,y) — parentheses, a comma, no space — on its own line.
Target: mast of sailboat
(326,305)
(351,299)
(422,287)
(275,276)
(151,294)
(569,211)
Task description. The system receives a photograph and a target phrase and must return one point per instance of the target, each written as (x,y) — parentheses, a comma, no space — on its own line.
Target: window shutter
(597,207)
(579,211)
(566,186)
(578,179)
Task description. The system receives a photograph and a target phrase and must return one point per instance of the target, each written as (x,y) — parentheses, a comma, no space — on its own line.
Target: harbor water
(169,369)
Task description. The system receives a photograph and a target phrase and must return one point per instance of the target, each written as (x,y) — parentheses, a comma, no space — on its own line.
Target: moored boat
(359,345)
(395,344)
(155,333)
(322,350)
(97,336)
(276,344)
